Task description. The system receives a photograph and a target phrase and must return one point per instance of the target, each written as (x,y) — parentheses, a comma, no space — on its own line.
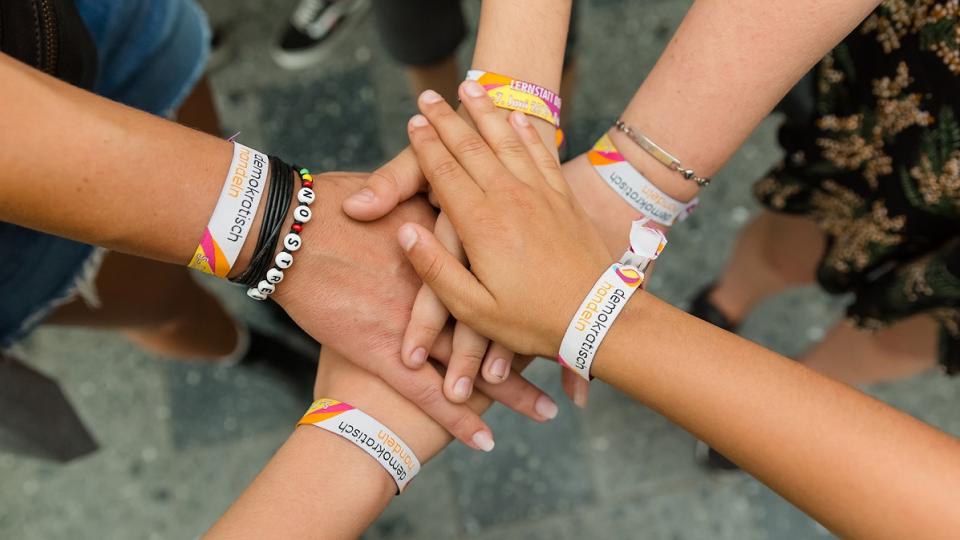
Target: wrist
(610,214)
(340,379)
(638,323)
(313,441)
(249,247)
(666,180)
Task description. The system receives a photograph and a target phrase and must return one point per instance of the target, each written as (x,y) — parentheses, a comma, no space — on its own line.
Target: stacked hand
(402,178)
(526,281)
(424,323)
(367,324)
(472,353)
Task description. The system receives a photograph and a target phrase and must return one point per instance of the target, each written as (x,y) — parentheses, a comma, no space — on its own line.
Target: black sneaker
(702,308)
(713,460)
(307,37)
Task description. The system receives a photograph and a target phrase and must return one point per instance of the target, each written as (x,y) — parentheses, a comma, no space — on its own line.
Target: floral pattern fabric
(878,168)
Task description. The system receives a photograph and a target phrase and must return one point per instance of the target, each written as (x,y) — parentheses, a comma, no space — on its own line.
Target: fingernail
(499,369)
(546,407)
(520,118)
(419,120)
(483,441)
(580,395)
(407,236)
(418,356)
(463,387)
(364,196)
(473,89)
(429,96)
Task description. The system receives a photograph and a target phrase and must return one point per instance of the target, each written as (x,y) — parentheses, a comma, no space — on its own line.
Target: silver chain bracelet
(660,154)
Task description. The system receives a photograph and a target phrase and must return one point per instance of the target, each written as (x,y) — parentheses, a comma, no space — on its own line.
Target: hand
(351,289)
(533,250)
(396,181)
(340,379)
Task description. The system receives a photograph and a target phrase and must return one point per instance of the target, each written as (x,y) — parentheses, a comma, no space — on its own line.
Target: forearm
(319,485)
(726,67)
(524,39)
(83,167)
(819,443)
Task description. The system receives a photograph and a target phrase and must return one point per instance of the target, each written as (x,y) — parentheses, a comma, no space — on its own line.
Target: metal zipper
(48,27)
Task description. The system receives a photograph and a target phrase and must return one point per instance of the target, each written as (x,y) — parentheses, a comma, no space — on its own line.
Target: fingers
(424,387)
(456,287)
(466,145)
(575,387)
(427,320)
(469,349)
(520,395)
(429,315)
(457,190)
(499,135)
(394,182)
(496,365)
(547,165)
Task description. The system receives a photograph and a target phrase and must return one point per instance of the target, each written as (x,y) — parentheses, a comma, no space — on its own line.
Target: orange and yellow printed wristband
(516,95)
(368,434)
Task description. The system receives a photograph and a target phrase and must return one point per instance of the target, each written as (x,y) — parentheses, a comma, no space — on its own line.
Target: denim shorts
(151,53)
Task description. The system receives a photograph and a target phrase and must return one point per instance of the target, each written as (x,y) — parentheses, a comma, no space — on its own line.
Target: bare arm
(860,467)
(320,486)
(727,66)
(80,166)
(523,39)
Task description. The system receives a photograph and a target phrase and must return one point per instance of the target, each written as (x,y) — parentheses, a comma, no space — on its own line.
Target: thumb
(457,288)
(394,182)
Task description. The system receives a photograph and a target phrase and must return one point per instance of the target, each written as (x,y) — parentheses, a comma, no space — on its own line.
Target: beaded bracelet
(291,242)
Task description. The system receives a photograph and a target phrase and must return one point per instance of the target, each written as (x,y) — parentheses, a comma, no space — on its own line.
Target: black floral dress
(878,168)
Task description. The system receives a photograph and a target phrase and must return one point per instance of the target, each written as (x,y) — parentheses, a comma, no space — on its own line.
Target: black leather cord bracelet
(278,203)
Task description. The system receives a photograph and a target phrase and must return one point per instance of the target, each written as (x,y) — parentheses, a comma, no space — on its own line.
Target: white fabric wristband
(634,188)
(233,217)
(607,298)
(368,434)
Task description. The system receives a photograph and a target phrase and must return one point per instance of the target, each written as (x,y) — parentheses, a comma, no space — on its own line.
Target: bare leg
(158,306)
(774,252)
(443,77)
(859,357)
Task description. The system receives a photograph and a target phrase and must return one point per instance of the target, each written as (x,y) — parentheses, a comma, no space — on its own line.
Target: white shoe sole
(296,61)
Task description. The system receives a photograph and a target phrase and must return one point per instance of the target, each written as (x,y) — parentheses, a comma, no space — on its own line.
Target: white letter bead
(306,195)
(265,287)
(283,259)
(274,276)
(302,214)
(255,294)
(291,241)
